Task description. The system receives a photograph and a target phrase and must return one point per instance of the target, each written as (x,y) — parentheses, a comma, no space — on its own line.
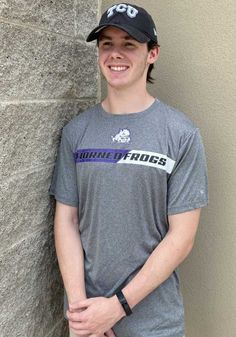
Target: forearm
(167,256)
(102,313)
(70,258)
(159,266)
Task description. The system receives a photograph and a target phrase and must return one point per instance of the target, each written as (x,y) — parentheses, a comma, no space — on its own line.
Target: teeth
(118,68)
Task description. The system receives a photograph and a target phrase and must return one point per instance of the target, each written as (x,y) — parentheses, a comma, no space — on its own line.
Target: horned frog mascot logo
(123,136)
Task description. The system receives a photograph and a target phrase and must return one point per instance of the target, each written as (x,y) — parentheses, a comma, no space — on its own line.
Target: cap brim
(136,34)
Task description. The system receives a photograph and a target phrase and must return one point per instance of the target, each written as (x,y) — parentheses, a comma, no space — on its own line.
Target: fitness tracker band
(124,303)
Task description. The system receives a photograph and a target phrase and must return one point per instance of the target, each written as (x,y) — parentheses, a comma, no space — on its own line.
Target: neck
(126,101)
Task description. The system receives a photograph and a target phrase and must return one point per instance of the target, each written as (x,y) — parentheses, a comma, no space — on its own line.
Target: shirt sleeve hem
(186,208)
(64,200)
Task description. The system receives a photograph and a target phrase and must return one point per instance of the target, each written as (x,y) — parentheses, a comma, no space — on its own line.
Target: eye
(106,44)
(129,45)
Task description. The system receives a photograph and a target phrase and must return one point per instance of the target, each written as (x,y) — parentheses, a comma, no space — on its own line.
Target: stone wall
(48,74)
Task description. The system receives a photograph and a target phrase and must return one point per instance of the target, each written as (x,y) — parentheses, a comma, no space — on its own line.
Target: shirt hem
(64,201)
(186,208)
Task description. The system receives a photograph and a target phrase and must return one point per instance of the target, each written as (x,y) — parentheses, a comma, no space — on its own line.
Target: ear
(153,55)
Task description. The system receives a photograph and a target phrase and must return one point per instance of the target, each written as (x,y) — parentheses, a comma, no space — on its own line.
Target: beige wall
(195,74)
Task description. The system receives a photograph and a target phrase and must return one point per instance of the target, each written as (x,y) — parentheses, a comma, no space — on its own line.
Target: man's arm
(70,255)
(69,251)
(168,255)
(102,313)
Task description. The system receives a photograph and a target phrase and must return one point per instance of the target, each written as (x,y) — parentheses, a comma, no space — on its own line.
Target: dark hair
(151,45)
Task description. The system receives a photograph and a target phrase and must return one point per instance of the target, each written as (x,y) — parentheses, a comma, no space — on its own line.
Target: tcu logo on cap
(121,8)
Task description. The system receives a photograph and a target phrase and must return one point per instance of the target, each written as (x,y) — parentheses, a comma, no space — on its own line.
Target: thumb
(110,333)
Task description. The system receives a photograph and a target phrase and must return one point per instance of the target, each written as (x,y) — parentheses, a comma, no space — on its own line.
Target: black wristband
(124,303)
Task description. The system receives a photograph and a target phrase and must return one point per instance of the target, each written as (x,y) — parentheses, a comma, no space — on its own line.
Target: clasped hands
(95,317)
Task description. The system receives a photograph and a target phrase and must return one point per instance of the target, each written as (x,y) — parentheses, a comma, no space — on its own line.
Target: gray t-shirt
(126,174)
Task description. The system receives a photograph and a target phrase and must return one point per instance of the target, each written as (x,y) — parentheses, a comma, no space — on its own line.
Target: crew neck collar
(132,115)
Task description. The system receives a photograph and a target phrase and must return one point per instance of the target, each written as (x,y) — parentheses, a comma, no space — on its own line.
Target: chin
(117,85)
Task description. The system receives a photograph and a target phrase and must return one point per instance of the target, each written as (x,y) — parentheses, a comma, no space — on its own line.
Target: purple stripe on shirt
(99,155)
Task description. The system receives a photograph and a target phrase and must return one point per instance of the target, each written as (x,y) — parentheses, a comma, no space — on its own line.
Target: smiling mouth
(118,68)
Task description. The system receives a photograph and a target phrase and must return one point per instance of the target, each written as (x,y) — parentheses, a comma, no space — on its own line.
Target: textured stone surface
(27,160)
(60,330)
(56,16)
(29,133)
(25,206)
(35,64)
(86,79)
(86,17)
(32,302)
(48,74)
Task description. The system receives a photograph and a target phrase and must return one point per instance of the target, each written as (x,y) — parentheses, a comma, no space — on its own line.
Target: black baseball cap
(134,20)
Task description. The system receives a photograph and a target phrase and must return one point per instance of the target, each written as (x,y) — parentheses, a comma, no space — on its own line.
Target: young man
(130,180)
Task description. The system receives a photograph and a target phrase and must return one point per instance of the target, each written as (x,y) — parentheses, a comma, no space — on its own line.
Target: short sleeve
(64,180)
(187,184)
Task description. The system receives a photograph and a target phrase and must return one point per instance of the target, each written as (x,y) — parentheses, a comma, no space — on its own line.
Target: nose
(116,53)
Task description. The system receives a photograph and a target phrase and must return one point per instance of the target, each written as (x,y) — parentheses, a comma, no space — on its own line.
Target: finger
(79,328)
(73,306)
(81,332)
(110,333)
(79,305)
(75,316)
(74,310)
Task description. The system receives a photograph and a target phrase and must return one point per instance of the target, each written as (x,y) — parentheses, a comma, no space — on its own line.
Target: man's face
(123,61)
